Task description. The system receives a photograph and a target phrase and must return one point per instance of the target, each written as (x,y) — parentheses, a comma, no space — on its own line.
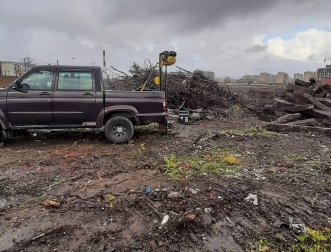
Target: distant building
(327,80)
(263,78)
(323,73)
(308,74)
(282,78)
(208,74)
(272,79)
(251,78)
(10,68)
(298,76)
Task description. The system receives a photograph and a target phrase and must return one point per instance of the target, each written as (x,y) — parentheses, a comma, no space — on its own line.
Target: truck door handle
(44,93)
(88,94)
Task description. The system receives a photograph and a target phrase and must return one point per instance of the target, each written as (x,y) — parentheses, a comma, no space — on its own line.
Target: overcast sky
(229,37)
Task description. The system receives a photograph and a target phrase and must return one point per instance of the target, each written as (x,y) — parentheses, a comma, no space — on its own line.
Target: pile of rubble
(305,107)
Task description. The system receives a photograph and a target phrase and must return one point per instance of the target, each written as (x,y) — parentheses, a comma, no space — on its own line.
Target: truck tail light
(164,104)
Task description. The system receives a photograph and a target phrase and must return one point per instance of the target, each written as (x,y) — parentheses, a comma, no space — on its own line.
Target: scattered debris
(173,195)
(52,203)
(252,198)
(164,220)
(299,228)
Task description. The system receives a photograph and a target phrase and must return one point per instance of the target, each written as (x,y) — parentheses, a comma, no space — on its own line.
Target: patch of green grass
(252,131)
(312,241)
(139,151)
(110,198)
(236,108)
(295,158)
(55,183)
(214,163)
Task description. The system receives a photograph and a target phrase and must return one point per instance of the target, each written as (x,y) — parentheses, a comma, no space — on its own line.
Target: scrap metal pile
(190,90)
(306,107)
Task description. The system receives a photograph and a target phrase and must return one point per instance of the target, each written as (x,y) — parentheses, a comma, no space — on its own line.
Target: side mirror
(17,85)
(20,87)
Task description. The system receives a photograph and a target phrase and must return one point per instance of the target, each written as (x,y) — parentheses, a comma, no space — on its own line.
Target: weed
(252,131)
(312,241)
(236,108)
(295,158)
(139,151)
(231,160)
(110,198)
(55,183)
(214,163)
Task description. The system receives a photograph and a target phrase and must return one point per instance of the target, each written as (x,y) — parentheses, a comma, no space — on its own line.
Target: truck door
(32,105)
(74,97)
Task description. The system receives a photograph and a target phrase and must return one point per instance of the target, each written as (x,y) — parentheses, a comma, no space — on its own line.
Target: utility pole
(73,61)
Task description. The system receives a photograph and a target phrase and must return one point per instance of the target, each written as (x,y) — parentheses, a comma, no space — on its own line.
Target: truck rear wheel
(119,129)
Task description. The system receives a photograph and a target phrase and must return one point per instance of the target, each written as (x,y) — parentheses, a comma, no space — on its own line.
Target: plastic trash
(252,198)
(164,220)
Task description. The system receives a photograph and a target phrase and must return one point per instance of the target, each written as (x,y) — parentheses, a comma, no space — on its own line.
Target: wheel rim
(119,130)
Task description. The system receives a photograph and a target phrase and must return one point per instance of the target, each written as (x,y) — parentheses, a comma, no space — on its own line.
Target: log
(312,80)
(317,85)
(296,128)
(299,89)
(287,118)
(302,83)
(299,108)
(306,122)
(283,102)
(280,113)
(290,97)
(310,99)
(319,113)
(325,101)
(326,122)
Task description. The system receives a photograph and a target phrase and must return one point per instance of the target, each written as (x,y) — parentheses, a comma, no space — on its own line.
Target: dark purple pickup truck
(74,97)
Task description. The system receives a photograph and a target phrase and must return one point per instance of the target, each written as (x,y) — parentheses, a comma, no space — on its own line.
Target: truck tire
(119,129)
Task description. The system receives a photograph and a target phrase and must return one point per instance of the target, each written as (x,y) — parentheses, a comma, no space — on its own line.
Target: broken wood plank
(317,85)
(325,101)
(287,118)
(302,83)
(299,108)
(296,128)
(310,99)
(299,89)
(280,113)
(319,113)
(306,122)
(283,102)
(290,97)
(326,122)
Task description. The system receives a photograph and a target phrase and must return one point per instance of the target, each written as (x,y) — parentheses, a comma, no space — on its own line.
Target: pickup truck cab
(57,97)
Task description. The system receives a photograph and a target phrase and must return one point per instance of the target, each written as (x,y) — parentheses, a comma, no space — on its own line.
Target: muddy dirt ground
(72,190)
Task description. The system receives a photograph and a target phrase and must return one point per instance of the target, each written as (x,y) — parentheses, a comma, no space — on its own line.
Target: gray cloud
(256,48)
(213,35)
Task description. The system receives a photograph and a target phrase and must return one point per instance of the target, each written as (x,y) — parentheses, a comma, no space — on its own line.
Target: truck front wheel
(119,129)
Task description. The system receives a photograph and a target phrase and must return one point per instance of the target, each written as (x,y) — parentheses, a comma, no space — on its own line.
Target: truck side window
(75,81)
(39,80)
